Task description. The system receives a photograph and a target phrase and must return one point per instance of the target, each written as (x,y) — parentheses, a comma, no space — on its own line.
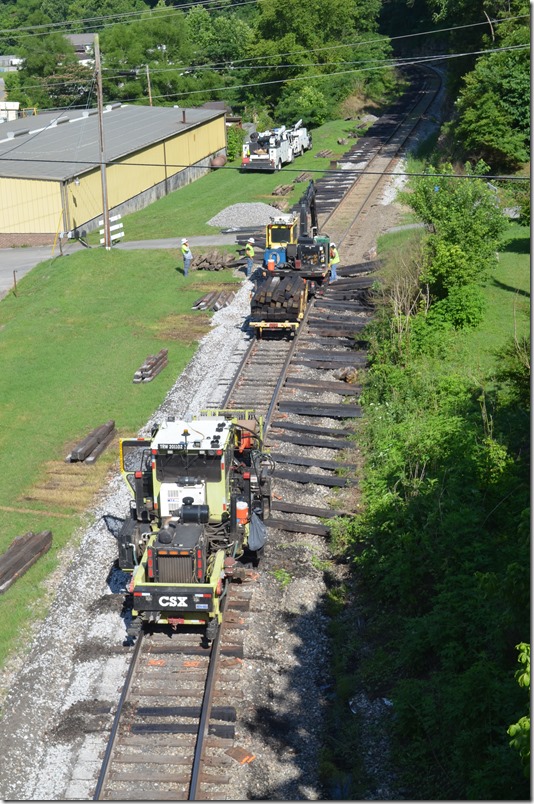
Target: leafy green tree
(43,54)
(467,225)
(520,731)
(218,40)
(71,85)
(316,22)
(493,106)
(302,101)
(91,10)
(273,64)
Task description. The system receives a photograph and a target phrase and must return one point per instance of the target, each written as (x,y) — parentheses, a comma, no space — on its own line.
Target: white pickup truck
(269,150)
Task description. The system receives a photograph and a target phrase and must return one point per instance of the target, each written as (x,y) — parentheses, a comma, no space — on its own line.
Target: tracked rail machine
(294,246)
(200,491)
(296,262)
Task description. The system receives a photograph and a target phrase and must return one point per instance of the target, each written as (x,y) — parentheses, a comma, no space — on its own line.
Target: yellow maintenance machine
(200,491)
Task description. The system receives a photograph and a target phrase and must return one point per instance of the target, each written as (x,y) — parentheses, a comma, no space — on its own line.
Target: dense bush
(466,224)
(235,137)
(444,559)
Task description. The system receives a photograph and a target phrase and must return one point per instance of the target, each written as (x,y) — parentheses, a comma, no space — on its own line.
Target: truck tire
(279,165)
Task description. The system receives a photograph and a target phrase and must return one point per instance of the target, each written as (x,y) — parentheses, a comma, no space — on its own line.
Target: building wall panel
(84,200)
(35,207)
(31,206)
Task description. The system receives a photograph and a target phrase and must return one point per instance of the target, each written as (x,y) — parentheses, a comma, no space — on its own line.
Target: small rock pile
(244,215)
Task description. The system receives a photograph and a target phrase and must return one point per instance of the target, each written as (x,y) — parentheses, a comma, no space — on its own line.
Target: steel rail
(102,778)
(419,108)
(206,710)
(285,367)
(239,371)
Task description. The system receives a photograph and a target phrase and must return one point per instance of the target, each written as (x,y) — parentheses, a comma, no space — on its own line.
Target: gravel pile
(244,215)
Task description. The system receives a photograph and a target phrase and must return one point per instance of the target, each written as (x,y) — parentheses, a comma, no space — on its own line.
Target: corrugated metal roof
(63,145)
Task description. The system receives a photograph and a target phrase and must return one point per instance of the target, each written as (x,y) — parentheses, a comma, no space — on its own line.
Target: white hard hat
(184,239)
(333,244)
(251,240)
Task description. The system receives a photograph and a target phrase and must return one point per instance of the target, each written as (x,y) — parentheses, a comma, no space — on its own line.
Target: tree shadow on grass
(518,245)
(504,286)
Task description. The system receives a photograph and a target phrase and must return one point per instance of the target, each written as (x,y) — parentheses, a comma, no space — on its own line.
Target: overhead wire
(382,65)
(317,76)
(403,61)
(287,169)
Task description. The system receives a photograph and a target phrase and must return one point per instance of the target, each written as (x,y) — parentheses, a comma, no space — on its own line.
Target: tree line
(275,60)
(281,60)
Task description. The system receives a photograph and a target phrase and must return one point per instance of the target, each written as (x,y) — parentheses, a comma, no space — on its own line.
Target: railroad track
(174,732)
(310,427)
(174,729)
(379,152)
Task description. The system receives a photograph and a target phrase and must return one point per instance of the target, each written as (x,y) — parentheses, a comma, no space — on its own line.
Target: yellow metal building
(51,174)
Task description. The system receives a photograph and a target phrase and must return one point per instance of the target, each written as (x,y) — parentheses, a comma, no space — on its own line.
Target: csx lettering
(173,602)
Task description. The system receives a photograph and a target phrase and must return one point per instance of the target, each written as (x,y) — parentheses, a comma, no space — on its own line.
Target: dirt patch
(107,603)
(71,486)
(183,328)
(88,651)
(82,718)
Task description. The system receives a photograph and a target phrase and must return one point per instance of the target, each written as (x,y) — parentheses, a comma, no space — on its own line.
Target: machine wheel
(279,165)
(212,628)
(134,629)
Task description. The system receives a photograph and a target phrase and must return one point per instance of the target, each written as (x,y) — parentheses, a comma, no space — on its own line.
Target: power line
(387,65)
(416,61)
(287,169)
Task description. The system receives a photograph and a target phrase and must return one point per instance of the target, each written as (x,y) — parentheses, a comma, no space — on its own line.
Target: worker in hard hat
(186,254)
(249,254)
(334,262)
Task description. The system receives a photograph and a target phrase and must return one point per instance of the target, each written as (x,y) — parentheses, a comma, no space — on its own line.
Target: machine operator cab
(280,232)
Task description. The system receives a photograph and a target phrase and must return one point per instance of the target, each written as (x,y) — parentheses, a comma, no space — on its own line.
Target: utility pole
(148,82)
(98,71)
